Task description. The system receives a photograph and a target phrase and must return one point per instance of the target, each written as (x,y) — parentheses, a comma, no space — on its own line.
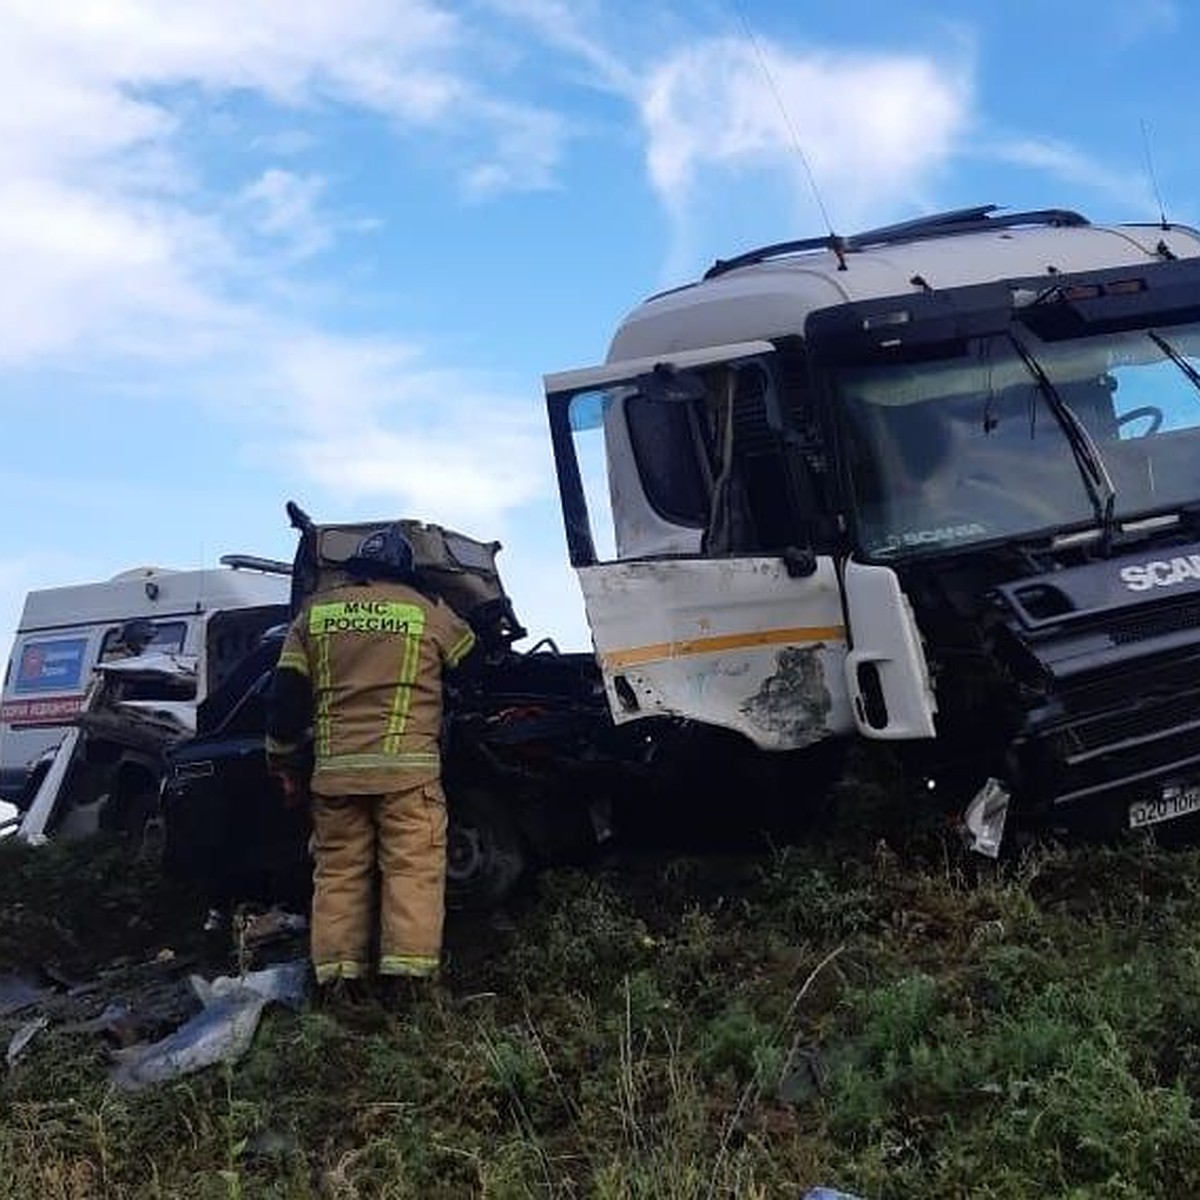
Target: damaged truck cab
(936,485)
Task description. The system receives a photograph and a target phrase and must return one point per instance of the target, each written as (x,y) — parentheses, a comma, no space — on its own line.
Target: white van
(213,616)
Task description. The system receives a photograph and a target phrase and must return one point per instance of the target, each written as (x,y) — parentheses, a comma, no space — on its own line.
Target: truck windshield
(954,451)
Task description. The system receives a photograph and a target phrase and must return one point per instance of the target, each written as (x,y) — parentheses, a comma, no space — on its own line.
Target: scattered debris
(116,1021)
(984,819)
(19,1042)
(272,925)
(18,993)
(221,1032)
(216,920)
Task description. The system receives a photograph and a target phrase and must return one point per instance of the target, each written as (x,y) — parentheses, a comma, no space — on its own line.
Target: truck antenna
(1162,208)
(787,116)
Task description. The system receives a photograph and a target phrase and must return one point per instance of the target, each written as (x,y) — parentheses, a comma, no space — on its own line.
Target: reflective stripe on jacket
(373,654)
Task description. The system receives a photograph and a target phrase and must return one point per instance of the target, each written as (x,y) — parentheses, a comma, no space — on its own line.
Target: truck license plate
(1174,802)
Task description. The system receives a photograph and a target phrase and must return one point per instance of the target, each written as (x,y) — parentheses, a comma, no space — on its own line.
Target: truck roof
(769,292)
(152,592)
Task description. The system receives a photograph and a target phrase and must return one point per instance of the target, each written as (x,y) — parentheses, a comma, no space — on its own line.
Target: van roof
(151,592)
(768,293)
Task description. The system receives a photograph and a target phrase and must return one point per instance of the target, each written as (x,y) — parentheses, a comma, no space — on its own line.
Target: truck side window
(669,447)
(773,499)
(758,451)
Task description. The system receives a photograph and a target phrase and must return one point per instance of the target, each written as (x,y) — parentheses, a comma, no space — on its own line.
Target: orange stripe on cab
(686,647)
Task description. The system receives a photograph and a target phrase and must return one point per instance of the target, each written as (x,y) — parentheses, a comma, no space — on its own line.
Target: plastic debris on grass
(19,1042)
(221,1032)
(17,993)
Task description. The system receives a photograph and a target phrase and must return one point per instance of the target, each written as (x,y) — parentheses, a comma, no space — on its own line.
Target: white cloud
(370,418)
(283,205)
(389,55)
(18,575)
(122,260)
(868,125)
(878,129)
(284,143)
(526,152)
(83,267)
(1130,24)
(446,473)
(1067,163)
(111,243)
(563,27)
(875,128)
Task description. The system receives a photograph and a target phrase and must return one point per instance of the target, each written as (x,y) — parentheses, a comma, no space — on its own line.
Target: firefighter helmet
(384,554)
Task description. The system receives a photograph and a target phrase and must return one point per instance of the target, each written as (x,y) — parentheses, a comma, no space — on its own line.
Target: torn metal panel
(38,817)
(735,642)
(134,710)
(156,668)
(793,703)
(169,717)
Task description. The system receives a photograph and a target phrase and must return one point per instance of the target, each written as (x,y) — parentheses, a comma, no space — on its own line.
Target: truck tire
(485,856)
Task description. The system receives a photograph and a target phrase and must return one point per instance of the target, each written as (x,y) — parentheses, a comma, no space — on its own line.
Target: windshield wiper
(1177,358)
(1091,466)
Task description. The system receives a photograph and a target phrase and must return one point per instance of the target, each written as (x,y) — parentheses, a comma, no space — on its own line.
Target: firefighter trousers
(402,835)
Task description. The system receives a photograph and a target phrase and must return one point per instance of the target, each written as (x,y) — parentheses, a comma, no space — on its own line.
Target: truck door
(704,592)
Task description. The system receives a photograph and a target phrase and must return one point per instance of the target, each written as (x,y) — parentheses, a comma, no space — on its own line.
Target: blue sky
(255,250)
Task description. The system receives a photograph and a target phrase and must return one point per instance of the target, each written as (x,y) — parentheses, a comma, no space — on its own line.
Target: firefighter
(362,667)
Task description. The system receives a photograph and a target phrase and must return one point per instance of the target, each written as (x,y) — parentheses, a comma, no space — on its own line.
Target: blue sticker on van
(51,666)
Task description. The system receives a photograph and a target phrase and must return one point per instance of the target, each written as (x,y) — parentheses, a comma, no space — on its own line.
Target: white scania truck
(937,484)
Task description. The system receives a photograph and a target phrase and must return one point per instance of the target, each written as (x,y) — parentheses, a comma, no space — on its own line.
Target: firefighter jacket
(363,664)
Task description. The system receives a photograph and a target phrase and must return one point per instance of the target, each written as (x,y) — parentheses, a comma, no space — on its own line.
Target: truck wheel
(484,855)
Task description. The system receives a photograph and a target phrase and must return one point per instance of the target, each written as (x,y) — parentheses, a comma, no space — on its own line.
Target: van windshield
(167,638)
(968,449)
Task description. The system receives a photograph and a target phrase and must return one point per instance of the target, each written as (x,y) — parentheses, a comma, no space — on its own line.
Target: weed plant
(887,1019)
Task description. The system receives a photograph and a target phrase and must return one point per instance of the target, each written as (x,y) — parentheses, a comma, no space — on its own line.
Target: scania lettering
(1161,574)
(967,449)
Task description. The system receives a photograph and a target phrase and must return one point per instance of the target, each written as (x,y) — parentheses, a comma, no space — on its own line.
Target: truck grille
(1118,733)
(1143,626)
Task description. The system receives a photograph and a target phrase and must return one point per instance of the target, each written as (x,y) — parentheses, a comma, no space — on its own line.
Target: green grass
(892,1022)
